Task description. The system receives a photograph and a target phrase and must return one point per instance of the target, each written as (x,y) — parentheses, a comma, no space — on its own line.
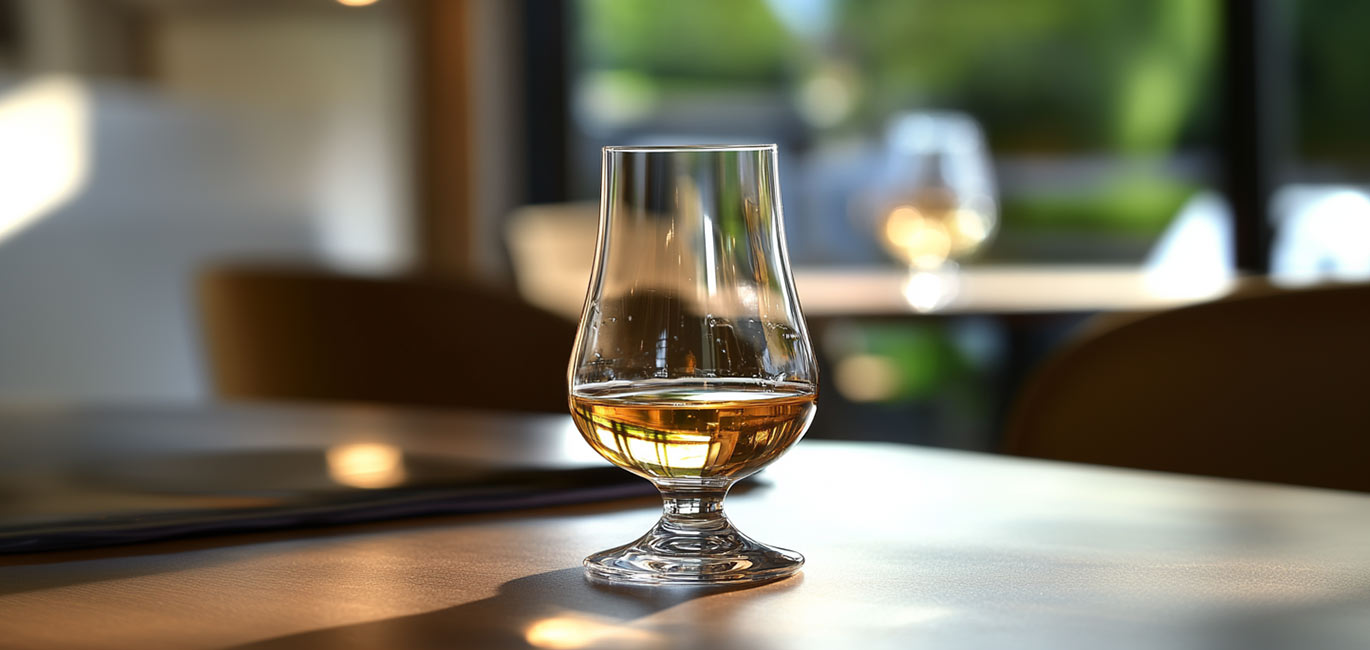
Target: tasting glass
(692,367)
(935,202)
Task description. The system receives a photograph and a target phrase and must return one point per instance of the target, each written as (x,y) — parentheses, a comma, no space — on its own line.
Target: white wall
(274,131)
(336,82)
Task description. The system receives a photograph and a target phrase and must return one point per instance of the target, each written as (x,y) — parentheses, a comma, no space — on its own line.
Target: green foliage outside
(699,43)
(1045,77)
(1331,94)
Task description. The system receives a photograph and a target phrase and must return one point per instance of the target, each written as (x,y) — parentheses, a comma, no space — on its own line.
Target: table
(552,247)
(907,547)
(998,289)
(883,291)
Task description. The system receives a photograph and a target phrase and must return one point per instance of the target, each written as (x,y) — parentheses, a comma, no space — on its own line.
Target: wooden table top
(906,546)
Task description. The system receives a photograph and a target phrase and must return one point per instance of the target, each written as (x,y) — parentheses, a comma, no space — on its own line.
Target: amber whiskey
(693,428)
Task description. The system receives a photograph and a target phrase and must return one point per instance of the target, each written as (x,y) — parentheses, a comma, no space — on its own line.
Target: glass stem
(695,509)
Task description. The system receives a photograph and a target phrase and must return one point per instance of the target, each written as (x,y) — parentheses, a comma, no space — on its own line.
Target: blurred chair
(296,334)
(1270,386)
(552,247)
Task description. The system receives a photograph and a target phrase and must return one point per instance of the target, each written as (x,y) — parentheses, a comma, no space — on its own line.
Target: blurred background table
(906,546)
(880,291)
(1001,290)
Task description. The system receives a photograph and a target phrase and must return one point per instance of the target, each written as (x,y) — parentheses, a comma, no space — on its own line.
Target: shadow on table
(556,609)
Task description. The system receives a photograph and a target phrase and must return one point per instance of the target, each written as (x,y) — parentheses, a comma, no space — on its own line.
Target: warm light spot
(44,149)
(916,239)
(916,615)
(927,291)
(901,223)
(369,465)
(356,3)
(563,632)
(971,228)
(867,378)
(559,633)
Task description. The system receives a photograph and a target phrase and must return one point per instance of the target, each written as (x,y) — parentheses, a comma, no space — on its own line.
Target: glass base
(699,550)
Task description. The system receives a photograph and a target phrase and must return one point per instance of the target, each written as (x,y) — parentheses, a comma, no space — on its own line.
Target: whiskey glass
(692,367)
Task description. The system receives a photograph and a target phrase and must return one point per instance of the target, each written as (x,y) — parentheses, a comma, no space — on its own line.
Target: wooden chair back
(1273,386)
(299,334)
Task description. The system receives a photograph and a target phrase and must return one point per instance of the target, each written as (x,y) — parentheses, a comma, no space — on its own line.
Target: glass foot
(693,551)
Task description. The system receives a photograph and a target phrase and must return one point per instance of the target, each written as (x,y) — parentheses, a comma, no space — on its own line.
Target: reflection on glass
(367,465)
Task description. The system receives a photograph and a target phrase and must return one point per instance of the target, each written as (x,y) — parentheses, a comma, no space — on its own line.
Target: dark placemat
(166,496)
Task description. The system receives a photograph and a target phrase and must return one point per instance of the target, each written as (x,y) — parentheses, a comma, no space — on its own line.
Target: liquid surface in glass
(726,428)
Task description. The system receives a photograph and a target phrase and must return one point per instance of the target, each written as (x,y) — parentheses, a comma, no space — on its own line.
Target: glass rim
(666,148)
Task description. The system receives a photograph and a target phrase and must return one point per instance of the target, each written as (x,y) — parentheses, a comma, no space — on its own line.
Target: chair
(1273,386)
(299,334)
(552,247)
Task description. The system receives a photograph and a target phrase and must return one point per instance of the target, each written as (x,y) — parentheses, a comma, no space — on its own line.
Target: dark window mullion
(1255,117)
(546,27)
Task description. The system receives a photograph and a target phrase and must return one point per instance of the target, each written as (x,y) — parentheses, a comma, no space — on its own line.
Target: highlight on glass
(692,366)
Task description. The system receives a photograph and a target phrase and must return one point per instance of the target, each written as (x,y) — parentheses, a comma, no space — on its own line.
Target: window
(1099,115)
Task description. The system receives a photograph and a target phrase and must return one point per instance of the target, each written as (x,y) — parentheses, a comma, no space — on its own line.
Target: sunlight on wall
(45,155)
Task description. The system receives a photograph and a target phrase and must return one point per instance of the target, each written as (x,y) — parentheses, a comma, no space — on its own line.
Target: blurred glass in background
(935,202)
(934,205)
